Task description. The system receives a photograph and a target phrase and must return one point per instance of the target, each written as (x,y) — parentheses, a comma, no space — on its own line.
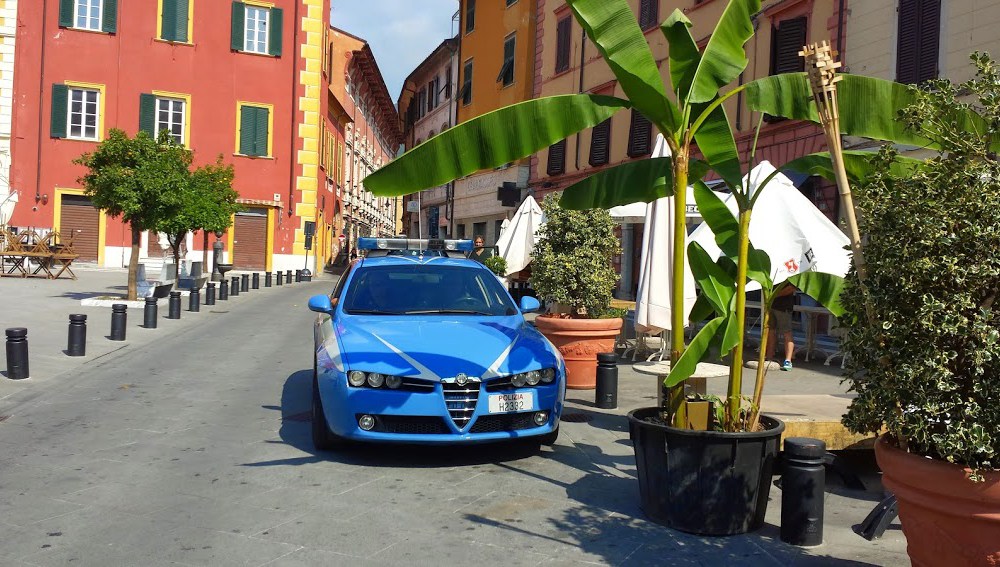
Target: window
(175,20)
(510,3)
(497,229)
(93,15)
(76,111)
(600,146)
(447,83)
(479,230)
(431,96)
(507,69)
(254,136)
(461,232)
(563,30)
(256,29)
(165,112)
(918,42)
(640,135)
(470,16)
(466,93)
(648,14)
(421,103)
(557,158)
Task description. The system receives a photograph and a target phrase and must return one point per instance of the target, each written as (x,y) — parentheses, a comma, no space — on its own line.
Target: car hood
(441,347)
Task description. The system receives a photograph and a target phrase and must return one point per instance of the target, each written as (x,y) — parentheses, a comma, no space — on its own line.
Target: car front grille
(503,422)
(461,401)
(410,424)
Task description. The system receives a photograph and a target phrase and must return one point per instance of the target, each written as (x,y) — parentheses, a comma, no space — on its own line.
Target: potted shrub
(927,368)
(571,267)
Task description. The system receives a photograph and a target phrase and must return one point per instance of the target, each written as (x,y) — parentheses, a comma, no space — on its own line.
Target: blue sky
(401,33)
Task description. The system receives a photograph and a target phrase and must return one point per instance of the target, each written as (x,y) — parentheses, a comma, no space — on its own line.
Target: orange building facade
(251,91)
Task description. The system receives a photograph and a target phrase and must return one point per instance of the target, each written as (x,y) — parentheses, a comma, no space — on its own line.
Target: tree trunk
(735,390)
(133,263)
(675,396)
(204,253)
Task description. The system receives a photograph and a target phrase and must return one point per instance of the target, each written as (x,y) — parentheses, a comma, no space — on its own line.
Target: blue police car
(418,344)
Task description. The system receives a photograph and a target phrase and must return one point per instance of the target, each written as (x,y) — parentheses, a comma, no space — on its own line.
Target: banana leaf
(631,182)
(694,353)
(824,288)
(724,57)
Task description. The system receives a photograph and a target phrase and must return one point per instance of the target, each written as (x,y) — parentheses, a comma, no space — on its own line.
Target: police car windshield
(426,289)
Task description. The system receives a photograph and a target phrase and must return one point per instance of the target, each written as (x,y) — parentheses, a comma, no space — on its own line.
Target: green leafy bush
(572,262)
(928,368)
(497,265)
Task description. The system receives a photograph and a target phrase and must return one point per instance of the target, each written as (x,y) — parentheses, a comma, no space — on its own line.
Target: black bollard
(223,290)
(281,277)
(245,282)
(17,353)
(118,319)
(298,276)
(267,279)
(307,275)
(210,294)
(77,344)
(149,313)
(194,301)
(606,395)
(234,288)
(174,305)
(803,486)
(256,280)
(288,276)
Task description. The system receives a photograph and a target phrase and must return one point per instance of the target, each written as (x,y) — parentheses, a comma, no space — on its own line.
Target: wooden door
(250,240)
(80,218)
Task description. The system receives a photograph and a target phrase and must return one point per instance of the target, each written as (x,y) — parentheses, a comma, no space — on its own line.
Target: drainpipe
(41,107)
(583,46)
(841,16)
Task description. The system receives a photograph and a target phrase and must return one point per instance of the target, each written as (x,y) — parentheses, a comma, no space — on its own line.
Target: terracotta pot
(947,518)
(580,341)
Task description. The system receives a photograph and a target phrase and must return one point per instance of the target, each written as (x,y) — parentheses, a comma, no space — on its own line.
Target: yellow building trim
(187,112)
(308,158)
(269,253)
(100,106)
(102,221)
(159,23)
(258,3)
(270,125)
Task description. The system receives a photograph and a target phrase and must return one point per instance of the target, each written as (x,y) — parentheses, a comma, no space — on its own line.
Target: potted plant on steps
(571,267)
(927,368)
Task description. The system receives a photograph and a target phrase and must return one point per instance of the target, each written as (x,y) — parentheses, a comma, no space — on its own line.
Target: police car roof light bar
(368,243)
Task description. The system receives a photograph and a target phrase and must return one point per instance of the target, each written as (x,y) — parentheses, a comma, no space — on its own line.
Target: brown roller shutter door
(80,218)
(250,240)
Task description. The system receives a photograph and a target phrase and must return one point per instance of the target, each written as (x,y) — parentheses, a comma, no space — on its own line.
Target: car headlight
(519,380)
(548,375)
(356,378)
(375,380)
(532,377)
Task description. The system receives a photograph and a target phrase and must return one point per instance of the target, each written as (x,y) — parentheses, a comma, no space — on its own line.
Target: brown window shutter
(563,30)
(557,158)
(600,143)
(788,37)
(640,135)
(918,41)
(648,13)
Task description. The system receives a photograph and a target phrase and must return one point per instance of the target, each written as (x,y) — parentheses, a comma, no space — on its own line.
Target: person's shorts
(780,321)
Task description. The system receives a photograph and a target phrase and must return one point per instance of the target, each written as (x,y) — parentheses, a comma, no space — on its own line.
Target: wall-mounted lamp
(44,199)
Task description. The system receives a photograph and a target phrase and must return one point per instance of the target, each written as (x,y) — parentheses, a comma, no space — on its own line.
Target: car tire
(323,438)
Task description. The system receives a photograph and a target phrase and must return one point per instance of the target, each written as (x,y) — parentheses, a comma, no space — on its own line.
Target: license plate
(507,403)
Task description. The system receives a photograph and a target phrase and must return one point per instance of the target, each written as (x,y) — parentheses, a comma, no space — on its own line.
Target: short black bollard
(194,301)
(174,305)
(17,353)
(606,395)
(210,294)
(307,275)
(267,279)
(298,276)
(223,290)
(803,486)
(77,343)
(281,277)
(288,276)
(245,282)
(118,319)
(149,313)
(256,280)
(234,287)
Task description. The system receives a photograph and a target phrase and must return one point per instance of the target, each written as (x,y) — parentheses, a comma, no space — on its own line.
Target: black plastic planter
(704,482)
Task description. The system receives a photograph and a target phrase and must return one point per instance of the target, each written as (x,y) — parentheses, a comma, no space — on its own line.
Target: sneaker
(787,365)
(769,365)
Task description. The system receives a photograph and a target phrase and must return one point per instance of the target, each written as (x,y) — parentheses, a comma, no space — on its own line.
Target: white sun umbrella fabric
(7,202)
(652,305)
(636,212)
(518,240)
(795,234)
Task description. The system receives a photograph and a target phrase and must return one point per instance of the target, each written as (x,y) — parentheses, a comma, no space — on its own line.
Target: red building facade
(251,91)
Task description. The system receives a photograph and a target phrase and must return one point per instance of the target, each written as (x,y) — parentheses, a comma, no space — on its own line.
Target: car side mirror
(321,304)
(529,304)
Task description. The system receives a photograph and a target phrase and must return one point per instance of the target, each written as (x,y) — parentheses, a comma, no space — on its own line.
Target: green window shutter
(275,27)
(60,100)
(147,114)
(260,132)
(109,19)
(174,23)
(182,20)
(66,13)
(239,26)
(247,130)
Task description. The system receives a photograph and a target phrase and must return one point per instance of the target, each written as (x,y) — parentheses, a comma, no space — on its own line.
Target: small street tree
(206,202)
(138,179)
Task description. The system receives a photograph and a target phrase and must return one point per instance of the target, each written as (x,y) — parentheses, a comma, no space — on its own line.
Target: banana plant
(692,115)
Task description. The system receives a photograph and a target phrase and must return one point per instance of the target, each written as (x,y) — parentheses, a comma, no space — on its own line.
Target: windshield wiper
(372,312)
(448,312)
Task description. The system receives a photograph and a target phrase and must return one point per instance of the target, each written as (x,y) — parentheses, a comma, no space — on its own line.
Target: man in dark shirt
(780,323)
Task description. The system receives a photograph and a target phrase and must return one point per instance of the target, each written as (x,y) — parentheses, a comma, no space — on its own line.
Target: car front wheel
(323,438)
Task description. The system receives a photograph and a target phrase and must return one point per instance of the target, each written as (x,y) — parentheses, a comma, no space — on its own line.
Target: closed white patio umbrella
(517,240)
